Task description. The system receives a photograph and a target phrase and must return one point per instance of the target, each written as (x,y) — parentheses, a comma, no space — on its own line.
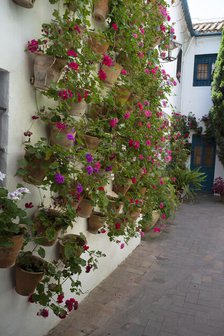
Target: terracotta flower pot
(75,240)
(112,73)
(25,3)
(135,214)
(122,96)
(92,142)
(98,45)
(142,191)
(152,223)
(8,255)
(121,188)
(47,69)
(114,204)
(96,111)
(36,169)
(85,208)
(78,109)
(61,136)
(101,9)
(26,281)
(95,222)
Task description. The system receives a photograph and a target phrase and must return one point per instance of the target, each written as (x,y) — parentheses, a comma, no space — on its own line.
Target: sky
(202,10)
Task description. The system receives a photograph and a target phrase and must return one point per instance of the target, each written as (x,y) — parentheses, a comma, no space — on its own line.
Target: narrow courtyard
(171,285)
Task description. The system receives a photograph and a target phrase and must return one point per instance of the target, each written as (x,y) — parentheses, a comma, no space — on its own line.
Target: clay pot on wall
(92,142)
(47,69)
(85,208)
(98,44)
(95,222)
(114,204)
(101,9)
(122,96)
(78,109)
(25,3)
(9,254)
(154,220)
(27,281)
(75,241)
(112,73)
(36,169)
(135,214)
(63,137)
(121,188)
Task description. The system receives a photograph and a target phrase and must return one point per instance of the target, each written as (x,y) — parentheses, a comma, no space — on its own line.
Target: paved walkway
(170,286)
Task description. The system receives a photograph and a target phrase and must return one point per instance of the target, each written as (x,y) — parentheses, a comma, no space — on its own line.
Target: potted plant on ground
(13,222)
(218,187)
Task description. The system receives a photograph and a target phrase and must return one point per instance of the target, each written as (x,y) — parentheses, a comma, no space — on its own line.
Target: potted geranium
(13,221)
(218,187)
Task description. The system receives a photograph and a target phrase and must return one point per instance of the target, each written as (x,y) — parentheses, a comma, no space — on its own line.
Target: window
(203,69)
(179,63)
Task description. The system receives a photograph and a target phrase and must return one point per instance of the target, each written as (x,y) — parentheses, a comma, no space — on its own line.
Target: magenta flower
(113,122)
(124,72)
(107,60)
(32,46)
(117,226)
(73,65)
(65,94)
(147,113)
(148,143)
(142,31)
(127,115)
(59,179)
(156,229)
(122,246)
(44,313)
(72,53)
(102,75)
(60,126)
(140,106)
(60,298)
(135,35)
(77,28)
(146,71)
(163,216)
(114,26)
(161,205)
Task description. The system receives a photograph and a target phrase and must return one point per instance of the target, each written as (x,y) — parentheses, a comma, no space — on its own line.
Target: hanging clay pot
(47,69)
(121,188)
(63,137)
(98,44)
(92,142)
(154,220)
(114,204)
(75,241)
(9,254)
(95,222)
(36,169)
(112,73)
(135,214)
(101,9)
(25,3)
(96,111)
(122,95)
(78,109)
(27,281)
(85,208)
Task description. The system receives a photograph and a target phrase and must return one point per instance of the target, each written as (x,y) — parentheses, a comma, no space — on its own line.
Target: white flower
(134,159)
(112,177)
(123,147)
(2,176)
(23,190)
(14,195)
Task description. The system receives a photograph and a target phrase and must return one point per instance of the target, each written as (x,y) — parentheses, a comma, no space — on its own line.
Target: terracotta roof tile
(208,27)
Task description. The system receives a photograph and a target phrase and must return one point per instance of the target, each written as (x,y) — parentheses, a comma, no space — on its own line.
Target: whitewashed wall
(17,26)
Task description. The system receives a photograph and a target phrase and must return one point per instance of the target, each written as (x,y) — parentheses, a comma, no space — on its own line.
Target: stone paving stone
(172,285)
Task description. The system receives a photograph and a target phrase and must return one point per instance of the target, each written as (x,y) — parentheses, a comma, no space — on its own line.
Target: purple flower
(89,157)
(59,179)
(79,188)
(108,168)
(70,137)
(89,170)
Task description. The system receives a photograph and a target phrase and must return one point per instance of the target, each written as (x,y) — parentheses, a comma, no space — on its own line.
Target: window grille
(4,94)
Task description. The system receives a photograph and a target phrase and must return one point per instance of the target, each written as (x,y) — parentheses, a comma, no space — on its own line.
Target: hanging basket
(112,73)
(9,254)
(92,142)
(85,208)
(47,69)
(26,281)
(60,136)
(78,109)
(101,9)
(95,222)
(25,3)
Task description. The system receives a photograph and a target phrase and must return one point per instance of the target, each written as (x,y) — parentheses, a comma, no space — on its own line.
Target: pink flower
(141,157)
(140,124)
(156,229)
(161,182)
(127,115)
(32,46)
(161,205)
(102,75)
(134,180)
(148,125)
(147,113)
(107,60)
(162,27)
(142,31)
(163,216)
(113,122)
(72,53)
(122,246)
(135,36)
(142,234)
(60,126)
(136,144)
(148,143)
(141,54)
(73,65)
(140,106)
(124,72)
(147,71)
(168,158)
(65,94)
(114,26)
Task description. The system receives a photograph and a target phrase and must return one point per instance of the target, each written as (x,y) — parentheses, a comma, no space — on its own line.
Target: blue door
(203,156)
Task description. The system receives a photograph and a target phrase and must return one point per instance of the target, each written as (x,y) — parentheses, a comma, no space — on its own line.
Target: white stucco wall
(17,26)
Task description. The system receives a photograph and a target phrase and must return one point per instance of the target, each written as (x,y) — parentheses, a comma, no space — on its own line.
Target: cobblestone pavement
(172,285)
